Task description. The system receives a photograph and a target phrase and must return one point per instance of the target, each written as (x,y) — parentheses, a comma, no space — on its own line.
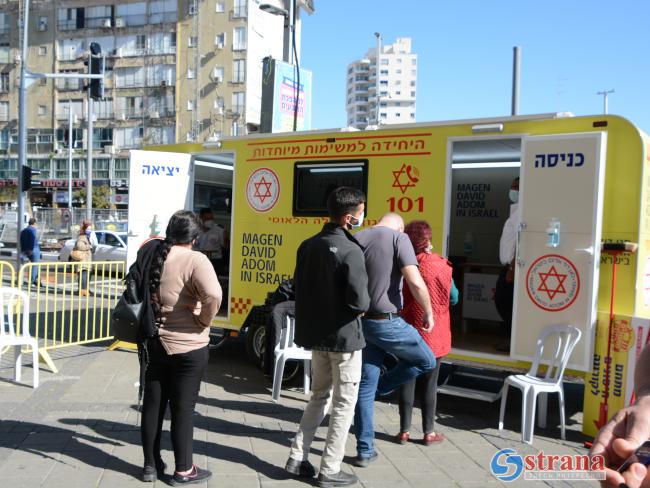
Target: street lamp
(289,52)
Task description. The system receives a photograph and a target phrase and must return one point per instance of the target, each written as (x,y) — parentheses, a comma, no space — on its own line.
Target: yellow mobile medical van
(584,180)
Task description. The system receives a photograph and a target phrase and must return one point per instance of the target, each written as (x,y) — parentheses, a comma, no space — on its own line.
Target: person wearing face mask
(331,294)
(389,258)
(436,272)
(505,287)
(211,239)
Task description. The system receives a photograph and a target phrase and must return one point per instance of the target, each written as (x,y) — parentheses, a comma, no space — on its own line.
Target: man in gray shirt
(389,257)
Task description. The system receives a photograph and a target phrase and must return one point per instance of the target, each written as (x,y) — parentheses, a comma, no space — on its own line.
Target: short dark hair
(344,200)
(32,221)
(204,211)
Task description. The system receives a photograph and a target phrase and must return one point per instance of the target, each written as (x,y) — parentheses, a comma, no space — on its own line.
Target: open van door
(159,185)
(558,250)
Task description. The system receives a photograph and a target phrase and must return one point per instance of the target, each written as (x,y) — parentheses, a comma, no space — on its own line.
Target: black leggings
(427,386)
(175,379)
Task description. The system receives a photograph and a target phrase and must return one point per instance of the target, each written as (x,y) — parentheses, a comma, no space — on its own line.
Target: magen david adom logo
(262,190)
(553,283)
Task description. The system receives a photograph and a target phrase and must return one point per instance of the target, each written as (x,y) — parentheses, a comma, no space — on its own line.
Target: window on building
(63,108)
(412,115)
(384,61)
(8,168)
(102,137)
(383,82)
(42,24)
(70,49)
(193,7)
(220,40)
(121,168)
(399,71)
(101,168)
(103,109)
(220,6)
(4,111)
(238,102)
(191,105)
(100,16)
(239,38)
(71,18)
(397,114)
(163,105)
(350,70)
(414,61)
(189,136)
(42,110)
(414,72)
(239,70)
(383,104)
(399,60)
(62,138)
(239,9)
(412,83)
(128,107)
(161,43)
(129,77)
(42,81)
(383,93)
(412,94)
(398,82)
(4,82)
(161,75)
(4,54)
(132,13)
(383,72)
(61,168)
(160,135)
(383,115)
(162,11)
(41,164)
(193,41)
(42,50)
(217,74)
(128,137)
(191,73)
(398,92)
(141,43)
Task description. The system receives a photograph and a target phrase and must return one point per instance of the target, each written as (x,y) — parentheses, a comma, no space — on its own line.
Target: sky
(570,49)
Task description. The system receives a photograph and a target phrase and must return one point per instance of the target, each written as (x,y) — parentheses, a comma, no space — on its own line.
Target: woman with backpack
(185,296)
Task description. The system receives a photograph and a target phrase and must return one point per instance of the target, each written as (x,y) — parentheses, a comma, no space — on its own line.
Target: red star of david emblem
(408,174)
(554,276)
(267,189)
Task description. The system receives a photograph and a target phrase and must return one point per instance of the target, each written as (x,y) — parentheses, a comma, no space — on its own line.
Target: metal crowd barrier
(62,312)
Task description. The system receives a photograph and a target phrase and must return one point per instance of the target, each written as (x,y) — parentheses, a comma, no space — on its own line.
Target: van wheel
(255,347)
(218,337)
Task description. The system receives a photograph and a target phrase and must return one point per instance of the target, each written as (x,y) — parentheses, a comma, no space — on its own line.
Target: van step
(485,396)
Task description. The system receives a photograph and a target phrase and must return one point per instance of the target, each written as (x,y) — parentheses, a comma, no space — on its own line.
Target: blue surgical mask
(514,196)
(359,220)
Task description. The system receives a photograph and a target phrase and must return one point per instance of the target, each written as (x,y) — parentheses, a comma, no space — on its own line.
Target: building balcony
(239,13)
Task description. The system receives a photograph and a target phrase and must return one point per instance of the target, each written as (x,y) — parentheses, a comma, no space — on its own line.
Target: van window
(313,183)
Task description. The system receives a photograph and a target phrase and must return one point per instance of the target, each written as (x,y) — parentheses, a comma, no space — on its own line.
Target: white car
(111,247)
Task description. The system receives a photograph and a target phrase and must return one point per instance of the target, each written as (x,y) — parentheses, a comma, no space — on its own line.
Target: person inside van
(505,287)
(211,239)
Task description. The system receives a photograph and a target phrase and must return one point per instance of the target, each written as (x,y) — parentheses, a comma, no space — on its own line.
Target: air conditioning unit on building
(124,116)
(106,23)
(119,22)
(154,114)
(109,149)
(219,45)
(218,110)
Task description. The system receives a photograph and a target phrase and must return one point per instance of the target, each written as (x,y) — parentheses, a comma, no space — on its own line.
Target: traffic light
(96,68)
(28,174)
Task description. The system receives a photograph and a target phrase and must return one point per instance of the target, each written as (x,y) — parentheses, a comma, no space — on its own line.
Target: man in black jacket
(331,287)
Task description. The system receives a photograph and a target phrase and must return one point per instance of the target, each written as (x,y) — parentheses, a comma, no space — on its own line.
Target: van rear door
(159,185)
(558,252)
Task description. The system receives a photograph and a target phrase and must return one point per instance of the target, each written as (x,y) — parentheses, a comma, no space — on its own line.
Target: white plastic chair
(562,338)
(10,299)
(285,350)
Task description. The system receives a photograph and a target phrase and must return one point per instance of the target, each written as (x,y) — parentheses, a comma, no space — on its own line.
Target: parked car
(111,247)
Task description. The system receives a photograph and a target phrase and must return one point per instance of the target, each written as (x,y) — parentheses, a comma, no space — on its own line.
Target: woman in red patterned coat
(436,272)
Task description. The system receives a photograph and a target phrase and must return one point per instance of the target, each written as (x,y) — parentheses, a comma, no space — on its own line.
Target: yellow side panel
(643,270)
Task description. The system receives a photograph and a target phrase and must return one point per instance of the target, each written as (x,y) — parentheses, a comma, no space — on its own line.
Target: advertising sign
(281,90)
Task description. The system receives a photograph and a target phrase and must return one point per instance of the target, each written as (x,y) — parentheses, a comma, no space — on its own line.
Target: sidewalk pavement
(80,429)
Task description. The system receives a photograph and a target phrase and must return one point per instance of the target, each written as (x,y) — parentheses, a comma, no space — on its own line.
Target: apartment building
(176,71)
(397,86)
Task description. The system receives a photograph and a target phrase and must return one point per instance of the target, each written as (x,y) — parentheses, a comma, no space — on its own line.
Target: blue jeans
(396,337)
(34,257)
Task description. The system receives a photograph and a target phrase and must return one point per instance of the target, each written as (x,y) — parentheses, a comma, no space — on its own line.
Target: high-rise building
(397,85)
(176,71)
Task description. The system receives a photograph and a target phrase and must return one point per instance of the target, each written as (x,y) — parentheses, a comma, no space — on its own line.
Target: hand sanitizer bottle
(553,233)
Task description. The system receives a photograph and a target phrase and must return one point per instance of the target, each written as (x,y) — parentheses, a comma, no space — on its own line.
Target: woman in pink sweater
(186,296)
